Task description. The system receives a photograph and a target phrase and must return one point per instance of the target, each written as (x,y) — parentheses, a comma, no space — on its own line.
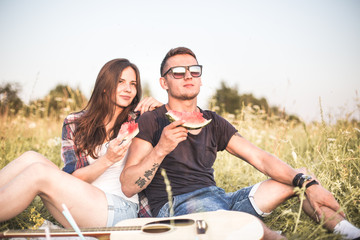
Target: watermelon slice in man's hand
(194,120)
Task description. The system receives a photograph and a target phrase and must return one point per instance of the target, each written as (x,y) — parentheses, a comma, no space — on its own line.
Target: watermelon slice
(130,129)
(194,120)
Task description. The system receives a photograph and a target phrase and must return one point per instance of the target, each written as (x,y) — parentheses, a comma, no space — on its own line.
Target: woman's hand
(147,104)
(117,148)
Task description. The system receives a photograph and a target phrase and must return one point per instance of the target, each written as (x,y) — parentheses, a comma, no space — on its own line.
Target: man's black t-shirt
(189,165)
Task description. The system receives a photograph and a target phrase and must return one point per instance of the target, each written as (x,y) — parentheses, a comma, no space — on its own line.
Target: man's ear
(163,83)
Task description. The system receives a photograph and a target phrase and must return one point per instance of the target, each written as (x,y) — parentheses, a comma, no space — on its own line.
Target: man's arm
(279,171)
(261,160)
(143,160)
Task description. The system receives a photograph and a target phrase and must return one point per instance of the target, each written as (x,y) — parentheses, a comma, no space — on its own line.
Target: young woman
(93,154)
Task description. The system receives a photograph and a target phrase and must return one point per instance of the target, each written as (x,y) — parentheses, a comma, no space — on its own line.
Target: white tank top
(109,181)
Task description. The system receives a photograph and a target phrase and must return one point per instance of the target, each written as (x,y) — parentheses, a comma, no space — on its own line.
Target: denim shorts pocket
(164,210)
(120,209)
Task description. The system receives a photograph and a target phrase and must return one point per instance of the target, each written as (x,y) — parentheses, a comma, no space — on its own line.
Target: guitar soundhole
(175,222)
(156,228)
(162,226)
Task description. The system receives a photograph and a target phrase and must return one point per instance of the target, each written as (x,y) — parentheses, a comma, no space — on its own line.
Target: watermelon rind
(188,125)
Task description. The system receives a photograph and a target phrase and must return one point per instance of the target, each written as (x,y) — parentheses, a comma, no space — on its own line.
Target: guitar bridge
(201,226)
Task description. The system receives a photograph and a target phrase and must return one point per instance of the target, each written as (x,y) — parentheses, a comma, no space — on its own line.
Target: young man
(188,157)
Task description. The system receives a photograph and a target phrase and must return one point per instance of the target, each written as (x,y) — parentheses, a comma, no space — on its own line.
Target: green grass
(18,135)
(329,151)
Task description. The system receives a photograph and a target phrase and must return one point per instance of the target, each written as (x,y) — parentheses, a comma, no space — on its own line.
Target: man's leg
(212,199)
(271,194)
(333,221)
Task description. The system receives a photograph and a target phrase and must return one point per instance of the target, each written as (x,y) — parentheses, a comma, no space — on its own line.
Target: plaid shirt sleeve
(72,160)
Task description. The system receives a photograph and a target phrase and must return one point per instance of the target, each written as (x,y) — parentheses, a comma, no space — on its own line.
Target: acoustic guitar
(218,225)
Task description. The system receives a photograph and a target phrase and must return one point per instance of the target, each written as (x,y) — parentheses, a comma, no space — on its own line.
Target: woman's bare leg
(87,204)
(19,164)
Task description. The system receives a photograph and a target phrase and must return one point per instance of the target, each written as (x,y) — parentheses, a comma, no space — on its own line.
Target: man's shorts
(214,198)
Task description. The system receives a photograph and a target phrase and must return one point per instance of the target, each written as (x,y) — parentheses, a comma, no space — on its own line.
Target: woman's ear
(163,83)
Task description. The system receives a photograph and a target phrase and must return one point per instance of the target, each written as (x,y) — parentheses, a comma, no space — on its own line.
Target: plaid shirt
(72,160)
(144,207)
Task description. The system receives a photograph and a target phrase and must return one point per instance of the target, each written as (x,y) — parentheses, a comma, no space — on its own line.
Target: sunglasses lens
(178,72)
(195,71)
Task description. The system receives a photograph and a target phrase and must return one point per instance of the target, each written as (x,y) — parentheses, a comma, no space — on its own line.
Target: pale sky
(290,52)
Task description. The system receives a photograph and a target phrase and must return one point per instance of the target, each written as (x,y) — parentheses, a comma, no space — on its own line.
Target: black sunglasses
(180,71)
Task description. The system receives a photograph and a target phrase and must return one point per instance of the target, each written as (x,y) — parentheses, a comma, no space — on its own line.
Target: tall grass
(18,135)
(329,151)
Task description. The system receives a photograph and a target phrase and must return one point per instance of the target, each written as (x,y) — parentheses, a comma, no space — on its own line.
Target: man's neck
(182,105)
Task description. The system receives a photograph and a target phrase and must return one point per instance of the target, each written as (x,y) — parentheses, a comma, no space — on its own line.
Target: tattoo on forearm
(140,182)
(148,173)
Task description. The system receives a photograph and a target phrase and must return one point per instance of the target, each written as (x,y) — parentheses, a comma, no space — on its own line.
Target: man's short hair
(174,52)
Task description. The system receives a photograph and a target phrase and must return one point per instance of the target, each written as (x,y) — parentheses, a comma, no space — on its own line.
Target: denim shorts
(214,198)
(120,209)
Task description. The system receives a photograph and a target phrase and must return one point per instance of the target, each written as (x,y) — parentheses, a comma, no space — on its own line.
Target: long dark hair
(90,128)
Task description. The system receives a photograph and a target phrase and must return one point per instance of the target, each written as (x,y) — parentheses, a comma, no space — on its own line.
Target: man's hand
(318,197)
(171,136)
(143,159)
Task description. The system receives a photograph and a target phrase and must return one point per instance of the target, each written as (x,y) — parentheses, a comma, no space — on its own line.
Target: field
(332,152)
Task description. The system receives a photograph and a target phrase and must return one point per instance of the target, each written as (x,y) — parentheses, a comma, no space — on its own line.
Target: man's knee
(270,194)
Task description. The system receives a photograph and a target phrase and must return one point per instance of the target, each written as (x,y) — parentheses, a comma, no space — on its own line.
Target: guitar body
(221,225)
(218,225)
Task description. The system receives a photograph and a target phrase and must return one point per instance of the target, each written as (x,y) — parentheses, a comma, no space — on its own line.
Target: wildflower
(53,142)
(35,217)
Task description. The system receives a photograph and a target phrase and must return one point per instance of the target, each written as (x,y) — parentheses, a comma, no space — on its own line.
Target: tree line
(227,99)
(64,99)
(58,102)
